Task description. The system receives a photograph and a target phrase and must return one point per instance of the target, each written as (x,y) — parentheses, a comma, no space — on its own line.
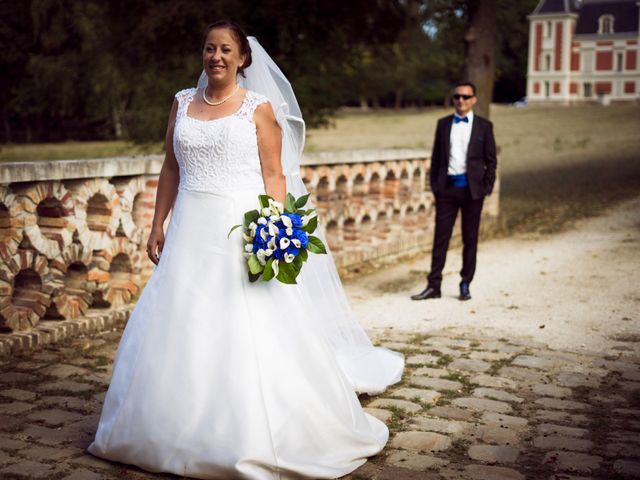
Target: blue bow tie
(457,119)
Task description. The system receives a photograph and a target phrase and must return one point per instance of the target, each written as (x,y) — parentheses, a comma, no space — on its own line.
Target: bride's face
(221,56)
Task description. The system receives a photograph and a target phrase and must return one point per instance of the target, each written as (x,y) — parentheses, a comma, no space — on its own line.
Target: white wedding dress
(217,377)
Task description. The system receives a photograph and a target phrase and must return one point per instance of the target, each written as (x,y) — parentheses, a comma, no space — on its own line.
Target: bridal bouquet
(278,238)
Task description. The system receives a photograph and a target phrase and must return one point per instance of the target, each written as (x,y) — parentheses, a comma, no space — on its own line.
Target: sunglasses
(457,96)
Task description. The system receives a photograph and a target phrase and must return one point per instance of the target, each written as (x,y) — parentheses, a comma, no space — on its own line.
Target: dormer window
(605,25)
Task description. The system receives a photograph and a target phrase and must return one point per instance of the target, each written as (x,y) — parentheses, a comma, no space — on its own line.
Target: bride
(216,377)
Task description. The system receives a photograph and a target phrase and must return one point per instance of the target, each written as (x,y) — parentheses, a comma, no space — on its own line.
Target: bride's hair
(238,34)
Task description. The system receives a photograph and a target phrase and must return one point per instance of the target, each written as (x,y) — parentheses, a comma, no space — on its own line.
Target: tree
(480,51)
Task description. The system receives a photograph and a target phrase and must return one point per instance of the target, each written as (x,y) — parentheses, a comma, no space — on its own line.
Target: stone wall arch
(72,294)
(116,272)
(11,224)
(97,207)
(342,187)
(130,191)
(24,290)
(47,212)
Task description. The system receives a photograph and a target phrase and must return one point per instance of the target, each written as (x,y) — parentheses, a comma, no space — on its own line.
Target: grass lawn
(556,164)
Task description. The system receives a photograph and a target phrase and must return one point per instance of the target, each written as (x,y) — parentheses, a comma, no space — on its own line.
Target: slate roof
(556,6)
(625,14)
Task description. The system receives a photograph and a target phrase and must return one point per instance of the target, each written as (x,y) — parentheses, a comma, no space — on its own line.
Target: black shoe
(428,292)
(465,294)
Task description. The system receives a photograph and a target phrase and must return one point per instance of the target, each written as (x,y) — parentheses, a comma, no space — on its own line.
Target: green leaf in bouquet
(302,201)
(251,216)
(232,229)
(290,203)
(287,273)
(253,277)
(264,200)
(303,254)
(309,211)
(297,263)
(254,265)
(268,270)
(311,225)
(315,245)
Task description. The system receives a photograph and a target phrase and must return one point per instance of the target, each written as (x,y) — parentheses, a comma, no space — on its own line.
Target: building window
(587,61)
(546,89)
(547,62)
(619,62)
(605,24)
(548,32)
(587,90)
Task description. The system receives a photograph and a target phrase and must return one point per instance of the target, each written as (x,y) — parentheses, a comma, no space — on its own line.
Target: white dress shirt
(458,145)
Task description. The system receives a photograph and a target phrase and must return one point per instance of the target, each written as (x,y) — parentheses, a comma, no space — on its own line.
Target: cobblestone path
(467,408)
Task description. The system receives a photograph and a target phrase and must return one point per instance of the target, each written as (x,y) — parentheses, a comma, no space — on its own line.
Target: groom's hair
(239,36)
(466,83)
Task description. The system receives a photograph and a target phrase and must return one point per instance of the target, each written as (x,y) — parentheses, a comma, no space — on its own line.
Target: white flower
(266,211)
(262,221)
(274,218)
(284,243)
(305,220)
(273,230)
(252,228)
(271,244)
(275,267)
(296,242)
(248,238)
(261,256)
(268,252)
(276,206)
(248,247)
(286,221)
(289,231)
(264,234)
(288,257)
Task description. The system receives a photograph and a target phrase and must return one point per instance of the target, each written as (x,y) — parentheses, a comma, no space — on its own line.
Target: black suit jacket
(481,157)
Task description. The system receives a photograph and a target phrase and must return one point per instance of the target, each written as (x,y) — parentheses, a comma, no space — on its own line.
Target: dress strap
(251,102)
(184,97)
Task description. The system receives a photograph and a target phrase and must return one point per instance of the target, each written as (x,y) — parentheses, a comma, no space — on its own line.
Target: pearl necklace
(213,104)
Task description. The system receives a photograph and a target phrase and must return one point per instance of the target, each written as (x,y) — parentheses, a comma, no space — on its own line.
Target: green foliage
(316,245)
(109,70)
(311,225)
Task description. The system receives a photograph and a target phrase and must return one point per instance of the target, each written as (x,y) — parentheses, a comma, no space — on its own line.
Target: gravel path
(576,290)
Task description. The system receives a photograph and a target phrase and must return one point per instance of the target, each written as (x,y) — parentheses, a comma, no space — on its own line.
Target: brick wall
(72,233)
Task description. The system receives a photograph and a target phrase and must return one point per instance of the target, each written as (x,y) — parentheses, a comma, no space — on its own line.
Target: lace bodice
(219,155)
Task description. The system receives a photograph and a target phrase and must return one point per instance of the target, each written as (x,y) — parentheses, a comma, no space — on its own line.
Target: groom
(463,171)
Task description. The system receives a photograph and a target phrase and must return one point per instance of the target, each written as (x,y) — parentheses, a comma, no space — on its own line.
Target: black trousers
(448,203)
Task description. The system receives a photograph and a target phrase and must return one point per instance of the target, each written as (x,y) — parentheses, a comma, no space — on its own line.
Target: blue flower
(302,236)
(296,220)
(292,250)
(258,242)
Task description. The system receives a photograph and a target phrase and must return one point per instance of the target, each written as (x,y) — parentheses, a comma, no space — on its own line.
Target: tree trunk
(116,118)
(7,128)
(398,100)
(364,105)
(480,51)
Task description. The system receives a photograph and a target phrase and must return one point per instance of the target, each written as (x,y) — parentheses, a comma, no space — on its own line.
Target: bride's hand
(155,244)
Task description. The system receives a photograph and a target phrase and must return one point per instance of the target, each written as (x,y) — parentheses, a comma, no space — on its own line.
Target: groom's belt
(457,180)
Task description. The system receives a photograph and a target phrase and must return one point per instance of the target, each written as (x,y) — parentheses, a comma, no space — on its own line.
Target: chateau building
(584,50)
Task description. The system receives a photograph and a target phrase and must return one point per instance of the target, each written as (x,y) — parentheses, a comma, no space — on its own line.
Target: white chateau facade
(584,50)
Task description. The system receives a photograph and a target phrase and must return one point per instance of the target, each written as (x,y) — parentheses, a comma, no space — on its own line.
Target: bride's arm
(269,147)
(167,190)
